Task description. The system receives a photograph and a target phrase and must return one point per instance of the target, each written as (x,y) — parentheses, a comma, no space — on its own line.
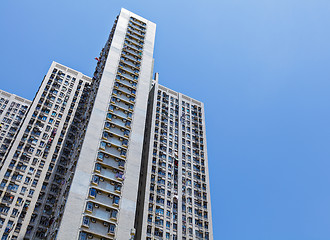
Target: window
(95,180)
(89,207)
(38,152)
(103,145)
(168,224)
(31,170)
(3,183)
(86,221)
(31,192)
(114,214)
(112,228)
(168,214)
(100,156)
(23,167)
(23,190)
(92,193)
(7,174)
(27,180)
(82,236)
(160,211)
(13,187)
(19,201)
(115,200)
(35,160)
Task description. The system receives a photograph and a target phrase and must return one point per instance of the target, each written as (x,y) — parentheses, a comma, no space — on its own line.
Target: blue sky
(262,68)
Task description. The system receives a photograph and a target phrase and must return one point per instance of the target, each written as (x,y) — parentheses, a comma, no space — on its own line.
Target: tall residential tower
(102,200)
(12,112)
(31,176)
(174,197)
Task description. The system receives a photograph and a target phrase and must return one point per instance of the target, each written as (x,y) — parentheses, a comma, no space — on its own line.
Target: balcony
(119,96)
(134,35)
(119,122)
(120,113)
(99,213)
(134,53)
(128,69)
(134,45)
(125,89)
(132,56)
(102,199)
(118,164)
(118,132)
(98,229)
(136,32)
(107,143)
(134,40)
(127,82)
(137,27)
(125,105)
(108,173)
(137,22)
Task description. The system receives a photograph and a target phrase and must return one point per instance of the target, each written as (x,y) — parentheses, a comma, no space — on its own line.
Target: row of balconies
(135,53)
(123,106)
(128,82)
(115,137)
(139,33)
(110,169)
(140,25)
(133,45)
(135,41)
(87,234)
(98,227)
(134,34)
(135,27)
(101,212)
(136,59)
(122,87)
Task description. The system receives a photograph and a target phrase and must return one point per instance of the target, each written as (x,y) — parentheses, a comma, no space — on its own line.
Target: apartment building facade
(12,112)
(174,197)
(27,174)
(102,200)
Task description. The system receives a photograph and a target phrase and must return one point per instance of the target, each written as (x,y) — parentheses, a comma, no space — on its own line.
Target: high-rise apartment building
(116,156)
(32,176)
(102,200)
(174,196)
(12,112)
